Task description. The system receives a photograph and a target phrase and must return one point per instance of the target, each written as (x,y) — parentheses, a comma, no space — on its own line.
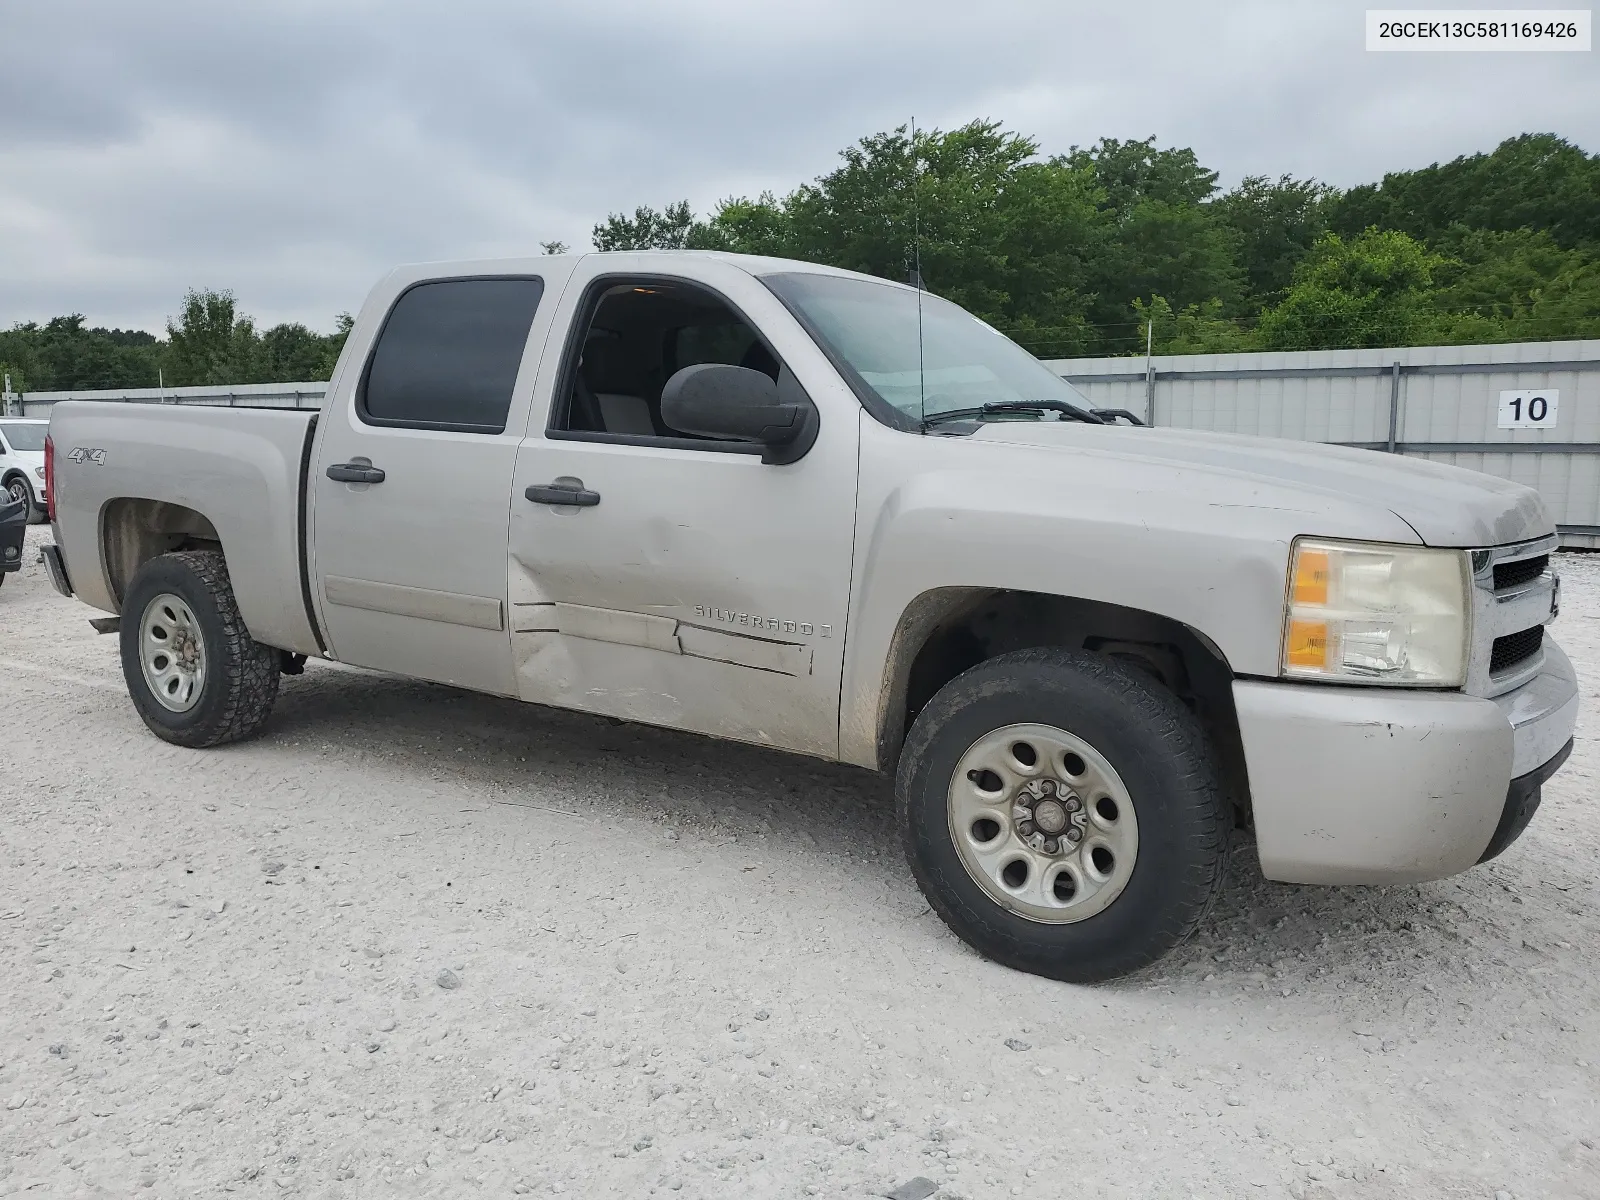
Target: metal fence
(1470,406)
(243,395)
(1446,403)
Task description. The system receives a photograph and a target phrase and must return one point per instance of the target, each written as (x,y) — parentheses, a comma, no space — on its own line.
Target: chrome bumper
(1367,785)
(1542,713)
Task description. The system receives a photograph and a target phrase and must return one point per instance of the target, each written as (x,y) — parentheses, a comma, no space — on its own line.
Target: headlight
(1361,613)
(39,471)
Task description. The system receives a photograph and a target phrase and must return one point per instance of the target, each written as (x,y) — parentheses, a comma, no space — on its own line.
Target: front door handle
(565,490)
(358,470)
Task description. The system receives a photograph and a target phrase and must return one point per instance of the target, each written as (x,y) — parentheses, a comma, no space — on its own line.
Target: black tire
(241,678)
(18,487)
(1163,757)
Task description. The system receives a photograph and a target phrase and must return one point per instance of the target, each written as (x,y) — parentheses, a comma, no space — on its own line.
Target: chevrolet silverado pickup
(789,505)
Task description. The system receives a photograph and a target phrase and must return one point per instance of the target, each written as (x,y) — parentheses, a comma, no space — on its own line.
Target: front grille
(1513,574)
(1514,648)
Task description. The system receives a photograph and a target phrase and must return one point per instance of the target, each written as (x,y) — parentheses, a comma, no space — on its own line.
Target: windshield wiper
(1012,406)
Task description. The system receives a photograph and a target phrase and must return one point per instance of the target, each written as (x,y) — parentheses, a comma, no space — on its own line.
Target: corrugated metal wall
(1435,402)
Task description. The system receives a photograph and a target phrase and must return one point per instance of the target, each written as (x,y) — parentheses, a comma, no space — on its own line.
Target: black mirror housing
(738,404)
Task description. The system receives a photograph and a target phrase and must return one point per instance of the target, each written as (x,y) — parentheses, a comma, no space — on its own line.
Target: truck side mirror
(737,404)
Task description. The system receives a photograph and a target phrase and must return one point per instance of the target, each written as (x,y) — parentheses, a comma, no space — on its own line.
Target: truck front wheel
(1062,814)
(195,674)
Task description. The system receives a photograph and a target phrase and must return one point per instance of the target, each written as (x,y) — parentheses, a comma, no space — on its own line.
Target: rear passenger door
(411,477)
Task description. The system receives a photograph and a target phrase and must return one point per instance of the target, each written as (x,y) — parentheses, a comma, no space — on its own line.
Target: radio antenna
(916,268)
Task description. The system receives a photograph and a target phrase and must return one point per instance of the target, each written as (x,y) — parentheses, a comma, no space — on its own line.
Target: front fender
(1203,548)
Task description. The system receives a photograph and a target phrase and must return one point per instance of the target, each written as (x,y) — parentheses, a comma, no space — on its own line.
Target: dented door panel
(705,591)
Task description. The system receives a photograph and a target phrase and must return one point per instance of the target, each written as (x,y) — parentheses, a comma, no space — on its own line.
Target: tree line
(1082,253)
(1091,251)
(208,342)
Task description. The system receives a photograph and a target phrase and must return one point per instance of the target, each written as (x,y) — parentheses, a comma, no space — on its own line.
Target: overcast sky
(295,150)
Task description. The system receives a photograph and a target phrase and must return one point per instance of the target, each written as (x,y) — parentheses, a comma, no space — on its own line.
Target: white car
(22,463)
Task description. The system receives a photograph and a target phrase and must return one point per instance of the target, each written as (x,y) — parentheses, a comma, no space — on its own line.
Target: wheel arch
(133,530)
(946,631)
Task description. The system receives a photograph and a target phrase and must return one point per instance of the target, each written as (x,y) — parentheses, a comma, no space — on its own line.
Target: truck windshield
(871,329)
(24,436)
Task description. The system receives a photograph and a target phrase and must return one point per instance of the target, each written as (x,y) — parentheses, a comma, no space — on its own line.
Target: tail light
(50,477)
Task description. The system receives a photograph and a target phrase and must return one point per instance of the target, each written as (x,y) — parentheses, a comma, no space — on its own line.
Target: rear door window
(448,355)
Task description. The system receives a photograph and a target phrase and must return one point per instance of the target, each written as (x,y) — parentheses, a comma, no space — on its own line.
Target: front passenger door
(692,585)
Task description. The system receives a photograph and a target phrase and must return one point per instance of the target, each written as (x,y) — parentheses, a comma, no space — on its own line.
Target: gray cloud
(294,151)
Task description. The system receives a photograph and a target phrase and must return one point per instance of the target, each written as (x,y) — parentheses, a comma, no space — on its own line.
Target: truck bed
(120,469)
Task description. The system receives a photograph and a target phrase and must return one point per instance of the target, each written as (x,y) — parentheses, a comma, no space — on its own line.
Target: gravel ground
(416,942)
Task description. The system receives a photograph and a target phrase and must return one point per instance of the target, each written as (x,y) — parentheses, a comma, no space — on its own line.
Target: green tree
(648,229)
(1517,285)
(995,230)
(1052,235)
(1165,249)
(943,199)
(64,354)
(291,352)
(1133,172)
(744,226)
(210,344)
(1533,181)
(1369,291)
(1160,237)
(1197,329)
(1274,225)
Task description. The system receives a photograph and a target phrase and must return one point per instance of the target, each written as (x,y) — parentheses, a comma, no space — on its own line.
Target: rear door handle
(565,490)
(359,470)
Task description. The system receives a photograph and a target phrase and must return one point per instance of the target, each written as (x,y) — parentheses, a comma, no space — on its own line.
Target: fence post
(1394,405)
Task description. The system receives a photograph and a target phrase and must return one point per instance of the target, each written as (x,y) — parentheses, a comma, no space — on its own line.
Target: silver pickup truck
(777,503)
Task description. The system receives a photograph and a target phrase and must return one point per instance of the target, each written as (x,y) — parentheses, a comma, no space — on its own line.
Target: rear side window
(448,355)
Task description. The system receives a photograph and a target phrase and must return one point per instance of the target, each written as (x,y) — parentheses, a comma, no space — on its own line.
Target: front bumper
(1368,785)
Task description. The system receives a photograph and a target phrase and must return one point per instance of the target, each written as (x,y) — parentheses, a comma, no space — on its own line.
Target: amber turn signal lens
(1311,577)
(1308,643)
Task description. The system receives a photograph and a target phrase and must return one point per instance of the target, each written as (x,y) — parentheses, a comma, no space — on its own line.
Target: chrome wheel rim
(18,490)
(1043,823)
(172,654)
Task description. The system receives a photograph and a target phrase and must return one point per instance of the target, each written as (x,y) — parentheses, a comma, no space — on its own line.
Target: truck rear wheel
(1062,814)
(194,672)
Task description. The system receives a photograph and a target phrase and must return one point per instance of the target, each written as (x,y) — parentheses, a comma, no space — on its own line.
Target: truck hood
(1447,506)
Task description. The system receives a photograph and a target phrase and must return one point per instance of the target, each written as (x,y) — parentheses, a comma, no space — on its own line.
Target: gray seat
(618,391)
(625,414)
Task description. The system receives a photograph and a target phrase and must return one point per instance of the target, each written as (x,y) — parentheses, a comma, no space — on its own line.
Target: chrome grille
(1510,574)
(1513,598)
(1515,648)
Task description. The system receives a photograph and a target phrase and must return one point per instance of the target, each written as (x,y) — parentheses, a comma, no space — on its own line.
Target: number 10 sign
(1528,410)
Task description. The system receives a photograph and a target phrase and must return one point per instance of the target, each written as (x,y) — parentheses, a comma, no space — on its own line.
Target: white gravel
(416,942)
